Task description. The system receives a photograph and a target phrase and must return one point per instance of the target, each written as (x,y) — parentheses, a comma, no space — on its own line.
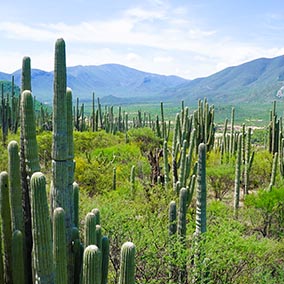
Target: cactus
(96,211)
(127,264)
(59,246)
(105,259)
(132,181)
(248,161)
(91,265)
(27,140)
(166,163)
(181,228)
(90,229)
(172,218)
(172,235)
(99,236)
(114,178)
(42,247)
(183,167)
(201,191)
(6,226)
(274,171)
(76,204)
(2,273)
(77,249)
(18,258)
(190,189)
(238,176)
(15,189)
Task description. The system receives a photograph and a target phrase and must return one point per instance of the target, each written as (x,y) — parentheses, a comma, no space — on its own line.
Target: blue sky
(193,38)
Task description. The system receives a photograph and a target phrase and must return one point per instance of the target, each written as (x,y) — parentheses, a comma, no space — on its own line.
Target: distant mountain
(260,80)
(117,82)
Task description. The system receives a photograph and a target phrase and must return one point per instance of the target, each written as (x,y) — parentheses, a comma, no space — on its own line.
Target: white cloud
(164,32)
(163,59)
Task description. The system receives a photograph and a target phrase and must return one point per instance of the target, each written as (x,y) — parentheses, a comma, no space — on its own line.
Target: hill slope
(258,80)
(108,80)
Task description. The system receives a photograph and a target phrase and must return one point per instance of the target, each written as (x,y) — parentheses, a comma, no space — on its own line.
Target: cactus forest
(102,195)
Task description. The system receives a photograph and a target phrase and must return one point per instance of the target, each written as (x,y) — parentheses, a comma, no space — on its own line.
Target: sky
(188,38)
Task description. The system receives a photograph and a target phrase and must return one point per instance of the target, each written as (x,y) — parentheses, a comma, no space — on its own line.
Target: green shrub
(268,215)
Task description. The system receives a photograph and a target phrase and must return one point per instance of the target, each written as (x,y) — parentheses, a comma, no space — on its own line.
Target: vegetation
(154,202)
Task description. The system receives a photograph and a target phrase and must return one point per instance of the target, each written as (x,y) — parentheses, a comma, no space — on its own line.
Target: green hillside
(257,81)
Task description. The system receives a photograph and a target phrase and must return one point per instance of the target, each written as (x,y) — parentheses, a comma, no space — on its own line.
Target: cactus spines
(90,229)
(6,226)
(59,246)
(91,265)
(201,191)
(18,258)
(127,264)
(41,223)
(15,186)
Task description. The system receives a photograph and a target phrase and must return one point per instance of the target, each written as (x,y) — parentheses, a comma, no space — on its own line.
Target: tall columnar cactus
(114,178)
(29,134)
(201,191)
(15,189)
(18,258)
(274,171)
(172,239)
(62,149)
(59,246)
(238,176)
(232,140)
(181,228)
(183,167)
(96,211)
(2,273)
(99,236)
(90,229)
(78,250)
(166,163)
(105,259)
(132,181)
(248,161)
(76,204)
(6,226)
(91,265)
(127,264)
(42,239)
(27,138)
(26,74)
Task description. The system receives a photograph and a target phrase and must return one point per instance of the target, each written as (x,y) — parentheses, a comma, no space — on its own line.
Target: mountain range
(260,80)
